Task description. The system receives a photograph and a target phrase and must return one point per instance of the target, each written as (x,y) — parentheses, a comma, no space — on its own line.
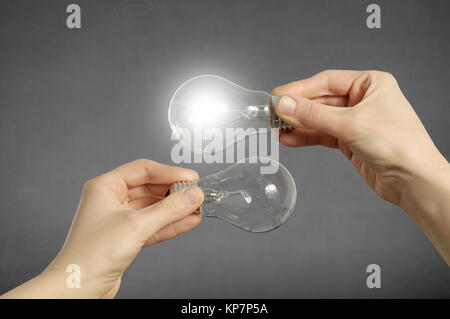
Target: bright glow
(207,110)
(271,190)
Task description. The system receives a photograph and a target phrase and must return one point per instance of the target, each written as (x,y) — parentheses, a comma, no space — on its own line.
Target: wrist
(425,188)
(55,284)
(426,199)
(50,284)
(70,280)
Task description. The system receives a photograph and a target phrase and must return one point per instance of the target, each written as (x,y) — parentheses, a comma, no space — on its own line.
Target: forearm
(48,285)
(426,199)
(41,286)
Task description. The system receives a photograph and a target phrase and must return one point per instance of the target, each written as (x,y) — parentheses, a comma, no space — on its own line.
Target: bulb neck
(275,120)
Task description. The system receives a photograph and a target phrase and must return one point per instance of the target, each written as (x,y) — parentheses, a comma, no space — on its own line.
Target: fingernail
(286,105)
(193,194)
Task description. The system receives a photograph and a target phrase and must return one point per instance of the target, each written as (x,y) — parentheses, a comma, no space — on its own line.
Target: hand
(119,213)
(365,115)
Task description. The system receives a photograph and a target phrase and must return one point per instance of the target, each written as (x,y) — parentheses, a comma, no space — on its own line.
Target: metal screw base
(182,185)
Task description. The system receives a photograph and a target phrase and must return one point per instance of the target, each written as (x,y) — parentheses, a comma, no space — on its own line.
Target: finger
(143,202)
(330,82)
(304,137)
(148,190)
(144,171)
(172,208)
(305,113)
(346,150)
(175,229)
(341,101)
(141,172)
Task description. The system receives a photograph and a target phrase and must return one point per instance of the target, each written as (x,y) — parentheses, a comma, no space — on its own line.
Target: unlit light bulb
(244,197)
(212,102)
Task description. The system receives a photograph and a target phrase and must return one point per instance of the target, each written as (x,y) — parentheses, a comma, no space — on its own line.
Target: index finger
(326,83)
(144,171)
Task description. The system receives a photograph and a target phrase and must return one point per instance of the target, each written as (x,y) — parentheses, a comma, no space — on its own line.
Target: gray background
(76,103)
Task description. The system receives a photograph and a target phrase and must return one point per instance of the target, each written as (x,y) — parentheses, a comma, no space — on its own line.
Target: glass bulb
(244,197)
(212,102)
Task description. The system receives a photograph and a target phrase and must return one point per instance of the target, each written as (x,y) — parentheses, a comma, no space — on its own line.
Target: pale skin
(119,213)
(362,113)
(365,115)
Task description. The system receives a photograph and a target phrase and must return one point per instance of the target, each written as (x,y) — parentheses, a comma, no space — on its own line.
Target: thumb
(174,207)
(305,113)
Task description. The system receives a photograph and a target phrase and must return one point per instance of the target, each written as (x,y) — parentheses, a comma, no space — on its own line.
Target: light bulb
(244,197)
(212,102)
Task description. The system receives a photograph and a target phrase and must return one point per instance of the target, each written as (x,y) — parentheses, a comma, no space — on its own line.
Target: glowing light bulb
(244,197)
(209,102)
